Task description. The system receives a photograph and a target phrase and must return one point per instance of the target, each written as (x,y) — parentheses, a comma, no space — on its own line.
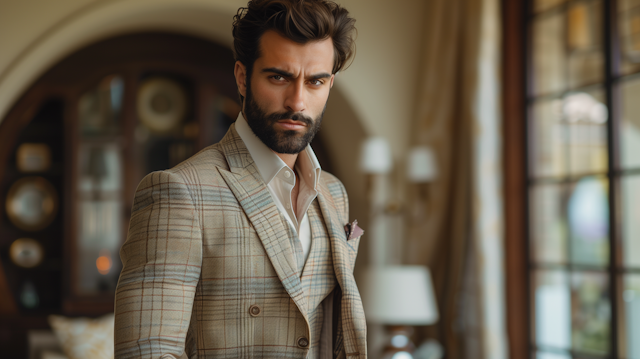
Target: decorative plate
(162,104)
(33,157)
(26,252)
(32,203)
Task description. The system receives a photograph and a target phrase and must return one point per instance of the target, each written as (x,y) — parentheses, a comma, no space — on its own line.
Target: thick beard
(287,141)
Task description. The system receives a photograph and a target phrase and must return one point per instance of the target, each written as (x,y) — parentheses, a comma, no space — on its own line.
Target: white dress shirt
(281,179)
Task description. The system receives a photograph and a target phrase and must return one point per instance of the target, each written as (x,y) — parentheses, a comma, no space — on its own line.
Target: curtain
(455,224)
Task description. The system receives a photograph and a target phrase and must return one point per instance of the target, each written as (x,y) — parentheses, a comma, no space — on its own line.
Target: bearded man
(245,249)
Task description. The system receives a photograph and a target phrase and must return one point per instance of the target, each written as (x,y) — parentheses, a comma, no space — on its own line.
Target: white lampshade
(422,166)
(399,295)
(375,157)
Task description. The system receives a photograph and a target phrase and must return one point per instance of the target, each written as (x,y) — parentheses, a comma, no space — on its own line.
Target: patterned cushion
(84,338)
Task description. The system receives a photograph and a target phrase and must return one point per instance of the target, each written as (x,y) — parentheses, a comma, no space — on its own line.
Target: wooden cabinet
(107,114)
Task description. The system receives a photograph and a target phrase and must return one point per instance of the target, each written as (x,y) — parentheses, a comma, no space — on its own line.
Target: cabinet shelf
(55,170)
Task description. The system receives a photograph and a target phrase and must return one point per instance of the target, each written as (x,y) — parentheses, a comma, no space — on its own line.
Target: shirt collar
(269,164)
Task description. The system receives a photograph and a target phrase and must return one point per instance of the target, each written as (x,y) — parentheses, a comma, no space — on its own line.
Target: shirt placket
(288,182)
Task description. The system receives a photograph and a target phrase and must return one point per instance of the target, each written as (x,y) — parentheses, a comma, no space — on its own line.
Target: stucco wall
(380,85)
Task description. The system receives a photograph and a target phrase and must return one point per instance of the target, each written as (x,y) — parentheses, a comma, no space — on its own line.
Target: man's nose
(295,99)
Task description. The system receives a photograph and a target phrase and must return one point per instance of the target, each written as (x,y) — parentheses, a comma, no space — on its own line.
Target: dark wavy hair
(298,20)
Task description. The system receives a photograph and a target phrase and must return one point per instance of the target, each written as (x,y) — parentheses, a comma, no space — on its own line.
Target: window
(583,177)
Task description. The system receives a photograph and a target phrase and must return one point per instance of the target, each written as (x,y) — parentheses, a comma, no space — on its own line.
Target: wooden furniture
(109,114)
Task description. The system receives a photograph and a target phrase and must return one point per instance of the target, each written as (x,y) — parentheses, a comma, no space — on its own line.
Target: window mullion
(611,51)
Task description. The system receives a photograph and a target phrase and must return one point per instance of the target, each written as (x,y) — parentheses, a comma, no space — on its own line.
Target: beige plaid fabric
(209,268)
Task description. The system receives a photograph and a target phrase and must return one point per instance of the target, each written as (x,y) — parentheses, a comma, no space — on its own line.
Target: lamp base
(400,345)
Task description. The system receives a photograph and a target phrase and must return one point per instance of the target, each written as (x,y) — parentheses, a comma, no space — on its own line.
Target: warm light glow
(103,263)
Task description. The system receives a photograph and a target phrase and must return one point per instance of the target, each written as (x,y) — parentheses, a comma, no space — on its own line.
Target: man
(244,250)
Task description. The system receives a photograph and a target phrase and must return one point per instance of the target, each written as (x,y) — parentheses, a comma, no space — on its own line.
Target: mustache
(274,117)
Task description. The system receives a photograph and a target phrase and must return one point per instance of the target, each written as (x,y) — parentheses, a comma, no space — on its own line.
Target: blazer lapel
(252,193)
(318,277)
(353,320)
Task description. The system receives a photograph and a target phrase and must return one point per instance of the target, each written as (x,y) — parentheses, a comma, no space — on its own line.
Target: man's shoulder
(333,184)
(199,169)
(330,179)
(205,162)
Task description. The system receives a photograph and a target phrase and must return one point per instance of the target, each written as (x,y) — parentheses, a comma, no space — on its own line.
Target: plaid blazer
(208,268)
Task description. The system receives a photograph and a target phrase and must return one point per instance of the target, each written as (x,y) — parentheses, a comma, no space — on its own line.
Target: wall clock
(162,104)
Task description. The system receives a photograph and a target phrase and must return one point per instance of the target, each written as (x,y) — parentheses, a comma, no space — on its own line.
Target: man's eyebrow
(278,71)
(322,75)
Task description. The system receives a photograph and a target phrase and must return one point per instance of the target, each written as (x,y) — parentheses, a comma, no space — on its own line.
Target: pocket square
(352,230)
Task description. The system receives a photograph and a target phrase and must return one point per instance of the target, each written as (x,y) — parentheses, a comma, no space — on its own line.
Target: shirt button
(303,342)
(287,174)
(254,310)
(288,206)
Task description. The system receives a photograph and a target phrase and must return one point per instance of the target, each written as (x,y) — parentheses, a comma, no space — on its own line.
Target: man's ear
(332,77)
(240,71)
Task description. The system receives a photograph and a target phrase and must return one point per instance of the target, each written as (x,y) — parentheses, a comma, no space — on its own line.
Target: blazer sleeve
(161,259)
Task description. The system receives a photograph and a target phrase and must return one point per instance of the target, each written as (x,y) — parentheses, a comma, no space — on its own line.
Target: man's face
(288,90)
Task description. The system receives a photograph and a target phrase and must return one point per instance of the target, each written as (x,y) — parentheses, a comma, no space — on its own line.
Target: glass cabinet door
(99,189)
(114,149)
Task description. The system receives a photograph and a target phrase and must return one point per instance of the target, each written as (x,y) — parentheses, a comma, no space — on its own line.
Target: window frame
(517,97)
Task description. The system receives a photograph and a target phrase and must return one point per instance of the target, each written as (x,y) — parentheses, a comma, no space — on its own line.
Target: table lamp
(399,297)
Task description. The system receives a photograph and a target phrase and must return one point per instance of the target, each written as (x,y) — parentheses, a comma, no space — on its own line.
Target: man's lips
(292,125)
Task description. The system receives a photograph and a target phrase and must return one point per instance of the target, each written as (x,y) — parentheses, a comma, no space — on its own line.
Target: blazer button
(303,342)
(254,310)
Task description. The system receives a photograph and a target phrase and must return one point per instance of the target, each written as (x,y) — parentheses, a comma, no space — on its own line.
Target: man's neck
(288,159)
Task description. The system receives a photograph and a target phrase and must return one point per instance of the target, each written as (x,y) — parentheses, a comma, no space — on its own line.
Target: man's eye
(316,82)
(277,77)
